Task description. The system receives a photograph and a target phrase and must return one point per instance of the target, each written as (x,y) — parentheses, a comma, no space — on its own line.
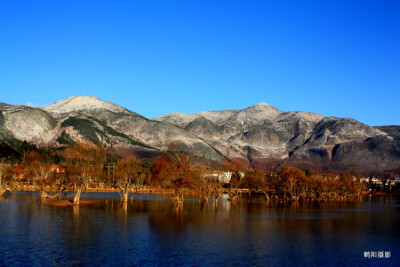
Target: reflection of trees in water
(45,230)
(75,211)
(304,221)
(177,218)
(79,231)
(209,228)
(262,228)
(18,215)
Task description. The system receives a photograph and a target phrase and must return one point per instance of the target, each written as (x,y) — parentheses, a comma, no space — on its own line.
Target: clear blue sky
(336,58)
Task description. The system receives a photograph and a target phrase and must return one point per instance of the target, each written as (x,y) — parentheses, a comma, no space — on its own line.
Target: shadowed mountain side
(261,134)
(88,119)
(378,152)
(7,151)
(392,130)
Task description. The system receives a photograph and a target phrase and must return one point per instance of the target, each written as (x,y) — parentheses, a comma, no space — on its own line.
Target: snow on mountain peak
(75,103)
(262,106)
(260,112)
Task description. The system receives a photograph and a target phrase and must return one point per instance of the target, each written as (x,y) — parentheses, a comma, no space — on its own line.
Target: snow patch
(75,103)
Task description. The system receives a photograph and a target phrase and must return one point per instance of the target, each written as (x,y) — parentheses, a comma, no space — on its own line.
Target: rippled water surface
(151,230)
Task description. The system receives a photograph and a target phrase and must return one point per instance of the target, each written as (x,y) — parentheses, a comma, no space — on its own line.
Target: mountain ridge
(76,103)
(257,134)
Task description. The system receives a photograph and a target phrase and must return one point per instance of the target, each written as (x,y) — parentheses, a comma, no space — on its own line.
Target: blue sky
(336,58)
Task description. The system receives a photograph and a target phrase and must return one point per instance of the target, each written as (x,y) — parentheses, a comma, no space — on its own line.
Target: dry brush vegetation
(85,167)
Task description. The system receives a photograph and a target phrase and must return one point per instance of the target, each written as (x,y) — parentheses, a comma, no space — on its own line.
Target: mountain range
(260,135)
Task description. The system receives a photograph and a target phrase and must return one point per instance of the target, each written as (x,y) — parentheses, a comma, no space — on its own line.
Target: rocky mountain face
(263,134)
(259,134)
(88,119)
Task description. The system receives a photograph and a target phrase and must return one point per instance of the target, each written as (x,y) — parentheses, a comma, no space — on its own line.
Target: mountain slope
(262,133)
(83,103)
(259,134)
(89,119)
(20,123)
(263,129)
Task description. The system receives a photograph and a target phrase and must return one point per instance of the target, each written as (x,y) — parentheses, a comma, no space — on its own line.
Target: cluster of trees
(296,184)
(85,166)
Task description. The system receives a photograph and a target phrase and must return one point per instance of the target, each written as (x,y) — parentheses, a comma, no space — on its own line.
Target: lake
(152,230)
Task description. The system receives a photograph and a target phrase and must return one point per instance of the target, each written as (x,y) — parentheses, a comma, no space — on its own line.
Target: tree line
(86,166)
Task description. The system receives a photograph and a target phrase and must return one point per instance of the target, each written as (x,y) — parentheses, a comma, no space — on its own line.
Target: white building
(221,177)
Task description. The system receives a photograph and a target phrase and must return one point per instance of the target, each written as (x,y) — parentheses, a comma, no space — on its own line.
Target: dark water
(152,230)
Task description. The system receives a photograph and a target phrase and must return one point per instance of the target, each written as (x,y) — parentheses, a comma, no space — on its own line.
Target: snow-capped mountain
(77,103)
(262,133)
(89,119)
(259,134)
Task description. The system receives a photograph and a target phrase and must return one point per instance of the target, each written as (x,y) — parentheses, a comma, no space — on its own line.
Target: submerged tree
(6,176)
(295,180)
(209,189)
(177,171)
(83,165)
(129,173)
(38,171)
(237,170)
(258,181)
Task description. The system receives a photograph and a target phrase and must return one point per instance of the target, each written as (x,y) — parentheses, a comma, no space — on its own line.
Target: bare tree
(179,172)
(129,174)
(5,178)
(82,166)
(37,170)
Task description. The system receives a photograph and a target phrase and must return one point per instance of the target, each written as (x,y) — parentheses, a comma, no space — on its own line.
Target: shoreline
(150,190)
(163,191)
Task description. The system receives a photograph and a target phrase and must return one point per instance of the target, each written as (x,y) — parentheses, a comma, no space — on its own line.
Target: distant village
(373,184)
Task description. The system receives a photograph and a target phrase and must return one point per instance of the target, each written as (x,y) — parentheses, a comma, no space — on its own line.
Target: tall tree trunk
(125,194)
(124,208)
(44,194)
(266,195)
(217,196)
(233,194)
(234,197)
(179,196)
(77,196)
(205,194)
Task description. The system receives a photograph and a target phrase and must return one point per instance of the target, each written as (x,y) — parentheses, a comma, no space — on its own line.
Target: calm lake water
(151,230)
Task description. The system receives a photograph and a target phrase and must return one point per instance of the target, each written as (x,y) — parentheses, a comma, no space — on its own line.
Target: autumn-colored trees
(83,166)
(291,183)
(295,182)
(38,171)
(210,188)
(130,173)
(347,185)
(177,171)
(5,177)
(254,180)
(236,169)
(259,181)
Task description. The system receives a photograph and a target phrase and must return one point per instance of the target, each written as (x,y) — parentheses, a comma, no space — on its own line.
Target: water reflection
(152,229)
